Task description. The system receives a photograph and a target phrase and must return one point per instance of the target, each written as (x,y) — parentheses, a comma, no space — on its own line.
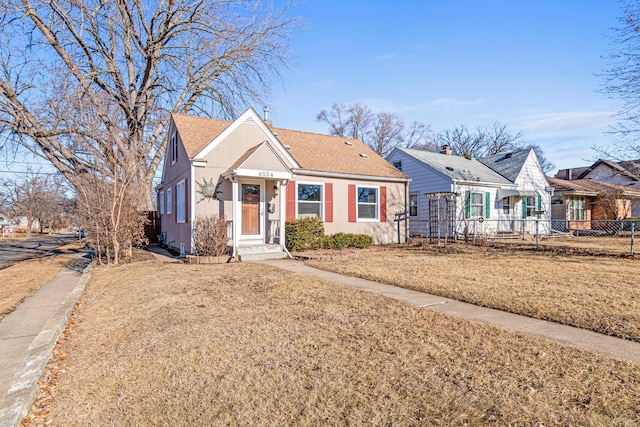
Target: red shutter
(383,204)
(328,202)
(291,200)
(352,203)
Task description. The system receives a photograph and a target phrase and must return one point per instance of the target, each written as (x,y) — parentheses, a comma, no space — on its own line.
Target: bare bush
(210,235)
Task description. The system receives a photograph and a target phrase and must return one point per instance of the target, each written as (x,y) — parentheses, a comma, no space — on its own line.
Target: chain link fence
(587,237)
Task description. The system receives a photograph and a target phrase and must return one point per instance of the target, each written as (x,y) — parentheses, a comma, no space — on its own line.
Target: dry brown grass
(243,344)
(21,280)
(596,293)
(596,245)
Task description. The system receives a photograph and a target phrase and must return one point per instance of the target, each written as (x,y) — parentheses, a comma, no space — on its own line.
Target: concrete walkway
(29,334)
(568,335)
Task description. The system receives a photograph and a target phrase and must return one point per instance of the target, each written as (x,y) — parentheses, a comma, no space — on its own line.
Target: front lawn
(597,293)
(246,344)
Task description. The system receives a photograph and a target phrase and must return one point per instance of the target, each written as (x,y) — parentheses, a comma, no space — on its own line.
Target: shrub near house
(308,233)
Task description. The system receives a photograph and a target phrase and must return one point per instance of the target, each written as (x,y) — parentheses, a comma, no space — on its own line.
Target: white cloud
(554,123)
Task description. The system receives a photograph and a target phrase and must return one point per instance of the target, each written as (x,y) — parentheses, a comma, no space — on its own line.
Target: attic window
(450,168)
(350,144)
(364,156)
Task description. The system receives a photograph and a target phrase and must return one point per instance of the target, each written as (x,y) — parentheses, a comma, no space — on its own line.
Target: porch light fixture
(276,190)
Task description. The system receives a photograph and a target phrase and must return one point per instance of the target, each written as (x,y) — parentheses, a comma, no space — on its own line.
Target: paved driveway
(12,250)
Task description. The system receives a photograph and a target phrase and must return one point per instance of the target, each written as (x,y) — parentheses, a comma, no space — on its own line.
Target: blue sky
(531,65)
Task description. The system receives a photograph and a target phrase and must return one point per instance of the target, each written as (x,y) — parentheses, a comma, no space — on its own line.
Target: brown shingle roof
(589,187)
(197,132)
(312,151)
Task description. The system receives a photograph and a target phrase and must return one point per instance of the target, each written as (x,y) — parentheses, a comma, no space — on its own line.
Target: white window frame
(322,198)
(472,206)
(581,208)
(413,213)
(169,201)
(377,204)
(532,208)
(181,202)
(506,206)
(161,202)
(173,141)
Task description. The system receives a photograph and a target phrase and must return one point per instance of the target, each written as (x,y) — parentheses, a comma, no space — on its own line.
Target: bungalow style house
(257,177)
(576,203)
(453,195)
(626,174)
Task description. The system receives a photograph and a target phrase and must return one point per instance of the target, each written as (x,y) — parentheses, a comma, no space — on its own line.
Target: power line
(32,173)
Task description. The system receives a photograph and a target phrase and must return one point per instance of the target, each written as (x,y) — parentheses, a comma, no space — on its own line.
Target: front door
(252,200)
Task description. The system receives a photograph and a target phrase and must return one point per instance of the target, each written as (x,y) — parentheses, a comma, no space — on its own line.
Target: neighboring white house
(499,194)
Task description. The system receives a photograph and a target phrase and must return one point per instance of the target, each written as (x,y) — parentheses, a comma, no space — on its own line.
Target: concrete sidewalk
(29,334)
(568,335)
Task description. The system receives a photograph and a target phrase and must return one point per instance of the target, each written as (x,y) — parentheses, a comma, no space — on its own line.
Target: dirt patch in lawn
(22,279)
(596,293)
(245,344)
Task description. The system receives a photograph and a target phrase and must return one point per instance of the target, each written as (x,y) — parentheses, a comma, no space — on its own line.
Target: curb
(24,387)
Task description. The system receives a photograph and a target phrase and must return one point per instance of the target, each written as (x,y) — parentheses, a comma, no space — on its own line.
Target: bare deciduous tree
(37,197)
(622,80)
(379,131)
(89,85)
(487,142)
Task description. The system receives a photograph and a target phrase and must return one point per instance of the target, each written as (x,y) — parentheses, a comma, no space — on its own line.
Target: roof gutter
(484,184)
(348,175)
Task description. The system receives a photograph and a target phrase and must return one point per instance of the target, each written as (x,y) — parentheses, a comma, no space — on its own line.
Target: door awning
(504,193)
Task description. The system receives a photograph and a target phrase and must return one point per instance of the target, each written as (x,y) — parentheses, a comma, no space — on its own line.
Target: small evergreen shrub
(308,233)
(304,233)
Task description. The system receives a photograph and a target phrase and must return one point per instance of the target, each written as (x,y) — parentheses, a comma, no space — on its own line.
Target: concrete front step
(260,252)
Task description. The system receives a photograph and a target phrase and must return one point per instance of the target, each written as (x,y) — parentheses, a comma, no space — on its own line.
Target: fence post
(537,229)
(633,232)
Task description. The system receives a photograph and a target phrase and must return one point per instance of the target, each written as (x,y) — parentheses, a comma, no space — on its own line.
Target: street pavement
(14,250)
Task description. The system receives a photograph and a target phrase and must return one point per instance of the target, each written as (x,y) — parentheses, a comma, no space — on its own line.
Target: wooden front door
(250,209)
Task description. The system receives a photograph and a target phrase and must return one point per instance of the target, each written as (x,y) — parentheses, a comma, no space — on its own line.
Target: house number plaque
(266,174)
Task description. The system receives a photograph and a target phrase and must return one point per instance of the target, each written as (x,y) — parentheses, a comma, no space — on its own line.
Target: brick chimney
(569,174)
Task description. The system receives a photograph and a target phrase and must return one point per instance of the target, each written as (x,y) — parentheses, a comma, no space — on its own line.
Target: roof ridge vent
(349,143)
(364,156)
